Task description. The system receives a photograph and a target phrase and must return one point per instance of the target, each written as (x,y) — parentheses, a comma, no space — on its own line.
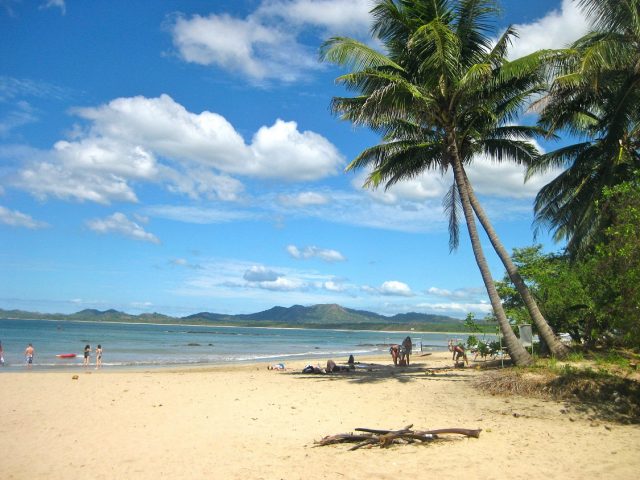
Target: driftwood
(385,438)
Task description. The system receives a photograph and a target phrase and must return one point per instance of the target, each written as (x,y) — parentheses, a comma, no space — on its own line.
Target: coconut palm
(595,97)
(441,94)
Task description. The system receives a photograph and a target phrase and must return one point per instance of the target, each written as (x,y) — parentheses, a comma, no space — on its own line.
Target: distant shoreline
(409,330)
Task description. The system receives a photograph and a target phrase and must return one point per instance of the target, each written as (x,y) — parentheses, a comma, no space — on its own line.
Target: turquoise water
(142,345)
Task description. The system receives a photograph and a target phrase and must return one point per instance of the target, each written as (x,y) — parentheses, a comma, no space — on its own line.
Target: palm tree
(441,94)
(595,97)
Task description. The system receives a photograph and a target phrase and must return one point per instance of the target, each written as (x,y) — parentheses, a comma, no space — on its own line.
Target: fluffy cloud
(157,140)
(333,286)
(391,288)
(264,278)
(347,16)
(119,223)
(557,29)
(260,274)
(327,255)
(243,45)
(15,218)
(265,45)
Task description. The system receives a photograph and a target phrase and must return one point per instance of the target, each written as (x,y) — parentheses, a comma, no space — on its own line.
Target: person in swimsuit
(28,354)
(87,352)
(394,350)
(458,351)
(1,355)
(98,356)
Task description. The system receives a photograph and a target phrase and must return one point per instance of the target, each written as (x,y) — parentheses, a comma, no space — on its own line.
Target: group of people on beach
(401,353)
(30,351)
(87,355)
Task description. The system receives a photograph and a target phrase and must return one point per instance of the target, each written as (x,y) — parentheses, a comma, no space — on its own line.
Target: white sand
(248,422)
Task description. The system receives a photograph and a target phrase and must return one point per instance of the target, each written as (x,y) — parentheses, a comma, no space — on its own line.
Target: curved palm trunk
(518,353)
(557,348)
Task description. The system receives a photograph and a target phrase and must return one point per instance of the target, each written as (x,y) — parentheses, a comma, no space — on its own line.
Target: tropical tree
(595,97)
(441,94)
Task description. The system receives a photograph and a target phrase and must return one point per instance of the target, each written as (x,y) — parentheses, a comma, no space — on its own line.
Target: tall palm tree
(595,96)
(441,94)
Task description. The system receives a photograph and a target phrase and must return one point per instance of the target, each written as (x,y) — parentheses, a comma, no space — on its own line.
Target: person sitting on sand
(277,366)
(332,367)
(458,351)
(312,369)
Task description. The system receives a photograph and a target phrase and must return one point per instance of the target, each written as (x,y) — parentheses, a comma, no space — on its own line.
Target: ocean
(152,345)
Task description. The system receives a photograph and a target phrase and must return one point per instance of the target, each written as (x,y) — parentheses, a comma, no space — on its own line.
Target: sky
(180,156)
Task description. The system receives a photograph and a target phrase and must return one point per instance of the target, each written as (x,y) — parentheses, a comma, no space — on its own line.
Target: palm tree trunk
(518,353)
(557,348)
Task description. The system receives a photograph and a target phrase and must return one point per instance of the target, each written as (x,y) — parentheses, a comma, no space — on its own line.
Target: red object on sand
(66,355)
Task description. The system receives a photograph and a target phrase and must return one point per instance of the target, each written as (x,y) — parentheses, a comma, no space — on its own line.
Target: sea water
(148,345)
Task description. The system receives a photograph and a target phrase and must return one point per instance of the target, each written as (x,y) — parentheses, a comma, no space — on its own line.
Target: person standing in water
(28,355)
(87,352)
(98,356)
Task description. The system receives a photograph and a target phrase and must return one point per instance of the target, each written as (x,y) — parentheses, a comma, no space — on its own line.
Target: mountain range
(315,316)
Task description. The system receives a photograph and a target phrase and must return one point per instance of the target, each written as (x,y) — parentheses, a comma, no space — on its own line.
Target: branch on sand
(386,438)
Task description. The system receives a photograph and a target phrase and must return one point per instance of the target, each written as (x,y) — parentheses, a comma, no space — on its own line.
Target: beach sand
(247,422)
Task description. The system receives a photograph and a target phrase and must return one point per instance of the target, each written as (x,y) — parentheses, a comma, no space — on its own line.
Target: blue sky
(180,156)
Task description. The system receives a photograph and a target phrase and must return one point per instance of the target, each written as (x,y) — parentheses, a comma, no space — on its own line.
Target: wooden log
(385,438)
(461,431)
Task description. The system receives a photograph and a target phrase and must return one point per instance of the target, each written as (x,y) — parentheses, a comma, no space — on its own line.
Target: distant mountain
(315,316)
(329,315)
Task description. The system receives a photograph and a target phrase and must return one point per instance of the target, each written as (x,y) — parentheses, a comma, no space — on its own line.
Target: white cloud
(303,199)
(346,16)
(267,45)
(258,273)
(391,288)
(199,215)
(54,179)
(157,140)
(281,151)
(557,29)
(333,286)
(328,255)
(15,218)
(282,284)
(21,114)
(505,179)
(55,4)
(119,223)
(457,308)
(243,45)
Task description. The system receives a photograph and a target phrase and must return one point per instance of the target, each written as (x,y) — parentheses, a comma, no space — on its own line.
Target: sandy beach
(247,422)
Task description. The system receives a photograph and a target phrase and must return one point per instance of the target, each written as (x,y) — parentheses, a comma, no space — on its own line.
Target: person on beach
(98,356)
(1,355)
(458,351)
(277,366)
(405,351)
(29,352)
(87,352)
(394,350)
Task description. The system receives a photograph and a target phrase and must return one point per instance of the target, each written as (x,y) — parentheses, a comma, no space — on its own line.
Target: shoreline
(292,359)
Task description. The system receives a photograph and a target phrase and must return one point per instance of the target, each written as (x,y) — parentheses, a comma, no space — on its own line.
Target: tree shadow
(375,373)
